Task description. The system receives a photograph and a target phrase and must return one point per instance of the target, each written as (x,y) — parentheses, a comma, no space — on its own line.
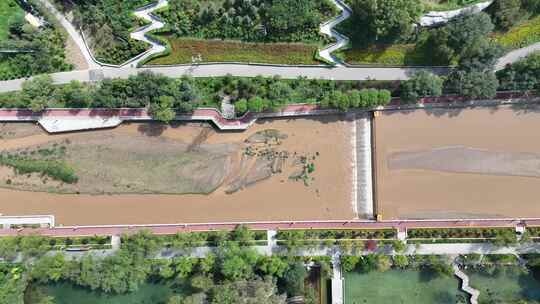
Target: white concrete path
(146,14)
(7,221)
(516,55)
(337,279)
(437,18)
(327,28)
(73,33)
(465,284)
(68,124)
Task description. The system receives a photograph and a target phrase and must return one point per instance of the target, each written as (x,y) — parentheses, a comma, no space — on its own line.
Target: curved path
(73,33)
(146,14)
(465,284)
(438,18)
(327,28)
(516,55)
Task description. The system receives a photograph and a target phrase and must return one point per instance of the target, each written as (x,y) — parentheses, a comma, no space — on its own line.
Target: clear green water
(505,285)
(147,294)
(401,287)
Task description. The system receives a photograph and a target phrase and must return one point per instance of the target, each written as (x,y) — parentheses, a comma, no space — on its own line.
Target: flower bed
(345,234)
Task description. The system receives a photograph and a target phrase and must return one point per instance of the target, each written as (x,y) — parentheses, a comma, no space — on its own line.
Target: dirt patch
(418,176)
(17,130)
(74,55)
(275,198)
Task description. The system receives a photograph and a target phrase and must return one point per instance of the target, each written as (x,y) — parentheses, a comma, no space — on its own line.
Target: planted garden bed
(185,50)
(461,233)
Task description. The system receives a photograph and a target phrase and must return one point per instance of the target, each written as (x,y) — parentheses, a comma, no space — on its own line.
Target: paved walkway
(240,70)
(438,18)
(465,284)
(400,225)
(327,28)
(155,23)
(62,120)
(73,33)
(516,55)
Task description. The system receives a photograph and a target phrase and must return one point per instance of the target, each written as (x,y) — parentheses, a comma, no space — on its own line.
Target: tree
(240,106)
(481,55)
(385,19)
(473,84)
(237,263)
(467,29)
(8,247)
(505,13)
(163,109)
(294,279)
(437,44)
(202,283)
(422,84)
(37,92)
(401,261)
(383,263)
(176,299)
(183,266)
(273,265)
(349,262)
(385,97)
(256,104)
(197,298)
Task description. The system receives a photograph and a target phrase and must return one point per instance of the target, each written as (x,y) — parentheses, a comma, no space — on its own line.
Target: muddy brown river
(327,197)
(473,163)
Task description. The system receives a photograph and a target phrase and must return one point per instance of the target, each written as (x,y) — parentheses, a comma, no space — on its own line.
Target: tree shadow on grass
(152,129)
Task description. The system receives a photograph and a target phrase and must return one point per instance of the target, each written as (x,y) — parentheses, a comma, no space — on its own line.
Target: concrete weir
(363,179)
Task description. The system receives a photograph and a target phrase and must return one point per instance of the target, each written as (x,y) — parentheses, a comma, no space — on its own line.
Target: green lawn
(505,285)
(396,54)
(520,35)
(184,49)
(64,293)
(401,287)
(8,9)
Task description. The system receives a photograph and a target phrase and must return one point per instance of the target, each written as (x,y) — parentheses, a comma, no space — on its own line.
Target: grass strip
(184,50)
(55,169)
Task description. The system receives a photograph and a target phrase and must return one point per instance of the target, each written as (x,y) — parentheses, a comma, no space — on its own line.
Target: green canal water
(401,287)
(505,285)
(65,293)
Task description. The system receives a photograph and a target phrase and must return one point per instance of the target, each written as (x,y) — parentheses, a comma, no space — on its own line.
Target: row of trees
(379,262)
(256,20)
(165,96)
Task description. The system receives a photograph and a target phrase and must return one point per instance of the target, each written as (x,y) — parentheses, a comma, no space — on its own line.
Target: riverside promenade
(65,120)
(399,225)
